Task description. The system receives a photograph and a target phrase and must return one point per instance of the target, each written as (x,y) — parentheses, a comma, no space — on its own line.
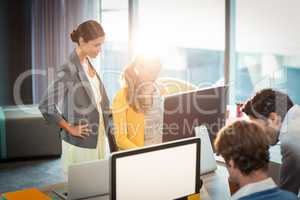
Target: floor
(16,175)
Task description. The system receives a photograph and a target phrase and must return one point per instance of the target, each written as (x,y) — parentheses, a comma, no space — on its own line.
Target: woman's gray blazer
(70,97)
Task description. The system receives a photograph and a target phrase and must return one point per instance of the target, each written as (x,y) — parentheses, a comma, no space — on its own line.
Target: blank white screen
(163,174)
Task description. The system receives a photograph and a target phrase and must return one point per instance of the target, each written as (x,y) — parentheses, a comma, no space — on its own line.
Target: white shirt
(154,121)
(290,124)
(251,188)
(289,133)
(290,137)
(94,82)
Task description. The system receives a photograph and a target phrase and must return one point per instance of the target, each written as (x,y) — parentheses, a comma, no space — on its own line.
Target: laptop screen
(167,171)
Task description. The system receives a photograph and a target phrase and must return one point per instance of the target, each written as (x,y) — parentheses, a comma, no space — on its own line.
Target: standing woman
(77,101)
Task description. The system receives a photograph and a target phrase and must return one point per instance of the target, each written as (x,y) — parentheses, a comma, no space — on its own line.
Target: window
(115,50)
(267,47)
(188,35)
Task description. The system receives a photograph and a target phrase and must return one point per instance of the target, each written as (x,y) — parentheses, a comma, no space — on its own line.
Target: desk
(215,183)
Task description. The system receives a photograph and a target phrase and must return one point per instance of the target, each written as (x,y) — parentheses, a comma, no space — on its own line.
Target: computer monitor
(165,171)
(185,111)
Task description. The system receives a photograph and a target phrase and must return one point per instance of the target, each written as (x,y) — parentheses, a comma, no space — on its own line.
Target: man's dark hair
(246,144)
(266,101)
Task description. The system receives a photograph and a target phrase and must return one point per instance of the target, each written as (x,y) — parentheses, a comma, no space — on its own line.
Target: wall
(4,85)
(15,48)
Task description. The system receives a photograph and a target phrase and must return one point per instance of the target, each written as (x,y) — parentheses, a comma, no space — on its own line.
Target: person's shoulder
(120,98)
(283,194)
(121,93)
(274,194)
(287,195)
(67,67)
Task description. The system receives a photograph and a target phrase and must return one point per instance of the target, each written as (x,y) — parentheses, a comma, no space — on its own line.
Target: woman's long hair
(132,80)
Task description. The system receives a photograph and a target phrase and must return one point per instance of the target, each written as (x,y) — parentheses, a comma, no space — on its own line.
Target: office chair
(110,135)
(173,85)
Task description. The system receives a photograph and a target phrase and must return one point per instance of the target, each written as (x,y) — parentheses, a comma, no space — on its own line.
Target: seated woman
(137,107)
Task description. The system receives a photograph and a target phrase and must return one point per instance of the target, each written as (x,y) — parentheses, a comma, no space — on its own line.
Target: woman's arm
(56,92)
(120,123)
(81,131)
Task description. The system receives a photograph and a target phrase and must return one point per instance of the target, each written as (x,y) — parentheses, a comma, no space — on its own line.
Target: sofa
(25,134)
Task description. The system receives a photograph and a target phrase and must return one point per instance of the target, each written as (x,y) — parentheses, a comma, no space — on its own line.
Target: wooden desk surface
(215,183)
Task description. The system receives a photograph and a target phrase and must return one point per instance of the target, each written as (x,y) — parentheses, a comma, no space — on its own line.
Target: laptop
(87,180)
(208,161)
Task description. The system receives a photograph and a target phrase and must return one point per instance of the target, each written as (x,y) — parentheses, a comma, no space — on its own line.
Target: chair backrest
(110,135)
(173,85)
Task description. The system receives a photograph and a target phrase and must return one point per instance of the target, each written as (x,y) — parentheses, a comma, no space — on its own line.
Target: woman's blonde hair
(134,75)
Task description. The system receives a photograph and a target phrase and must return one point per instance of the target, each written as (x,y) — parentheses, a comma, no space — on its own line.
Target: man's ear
(231,163)
(275,119)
